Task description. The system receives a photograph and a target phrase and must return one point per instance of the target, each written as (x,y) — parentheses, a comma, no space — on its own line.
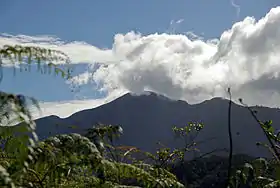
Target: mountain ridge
(147,119)
(151,94)
(159,96)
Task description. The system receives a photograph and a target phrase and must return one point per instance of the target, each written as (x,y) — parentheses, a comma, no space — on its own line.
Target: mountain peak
(150,95)
(153,96)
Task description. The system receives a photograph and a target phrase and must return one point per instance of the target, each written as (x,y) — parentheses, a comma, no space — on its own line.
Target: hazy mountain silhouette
(147,119)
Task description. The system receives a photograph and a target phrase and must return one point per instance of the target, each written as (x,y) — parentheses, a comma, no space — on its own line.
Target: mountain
(147,119)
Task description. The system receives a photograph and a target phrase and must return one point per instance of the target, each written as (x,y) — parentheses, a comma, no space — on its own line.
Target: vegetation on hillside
(92,160)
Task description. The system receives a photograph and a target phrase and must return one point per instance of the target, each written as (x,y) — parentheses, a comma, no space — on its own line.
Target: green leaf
(277,171)
(275,184)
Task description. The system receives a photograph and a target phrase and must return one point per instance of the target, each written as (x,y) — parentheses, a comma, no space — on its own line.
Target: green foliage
(103,137)
(268,131)
(70,160)
(260,173)
(65,160)
(188,134)
(93,160)
(31,54)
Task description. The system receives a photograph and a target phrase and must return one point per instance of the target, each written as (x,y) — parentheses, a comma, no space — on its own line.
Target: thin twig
(209,153)
(265,133)
(37,176)
(230,139)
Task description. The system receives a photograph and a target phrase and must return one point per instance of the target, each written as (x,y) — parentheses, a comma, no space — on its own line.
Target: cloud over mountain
(245,58)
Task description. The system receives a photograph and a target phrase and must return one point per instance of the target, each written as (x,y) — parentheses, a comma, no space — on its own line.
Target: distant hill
(147,119)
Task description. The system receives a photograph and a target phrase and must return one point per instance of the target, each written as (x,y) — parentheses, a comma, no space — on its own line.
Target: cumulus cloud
(245,58)
(194,70)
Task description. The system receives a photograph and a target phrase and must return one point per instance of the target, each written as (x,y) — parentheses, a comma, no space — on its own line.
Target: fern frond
(40,56)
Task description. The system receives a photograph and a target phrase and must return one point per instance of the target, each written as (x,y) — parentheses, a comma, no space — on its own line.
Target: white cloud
(236,6)
(246,57)
(173,26)
(79,52)
(195,70)
(64,109)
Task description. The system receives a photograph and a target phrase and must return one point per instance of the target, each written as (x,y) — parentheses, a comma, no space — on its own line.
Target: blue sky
(97,22)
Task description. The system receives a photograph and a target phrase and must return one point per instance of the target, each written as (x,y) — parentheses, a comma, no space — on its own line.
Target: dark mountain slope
(147,119)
